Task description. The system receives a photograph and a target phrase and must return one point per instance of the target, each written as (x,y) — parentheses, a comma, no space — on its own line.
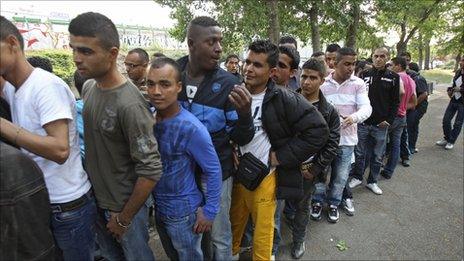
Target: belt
(75,204)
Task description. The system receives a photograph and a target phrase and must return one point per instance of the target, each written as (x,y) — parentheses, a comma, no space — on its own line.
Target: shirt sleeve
(54,102)
(364,108)
(201,148)
(137,124)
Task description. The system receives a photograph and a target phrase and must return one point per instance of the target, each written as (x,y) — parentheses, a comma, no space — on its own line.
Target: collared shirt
(349,99)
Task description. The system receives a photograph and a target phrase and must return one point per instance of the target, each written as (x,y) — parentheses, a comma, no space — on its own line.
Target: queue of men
(219,155)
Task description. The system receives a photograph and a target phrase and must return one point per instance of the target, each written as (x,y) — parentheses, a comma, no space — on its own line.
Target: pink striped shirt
(349,99)
(409,90)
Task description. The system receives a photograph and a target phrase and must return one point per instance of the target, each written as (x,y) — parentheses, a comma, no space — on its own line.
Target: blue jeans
(221,233)
(451,134)
(177,237)
(74,231)
(404,144)
(341,166)
(369,151)
(394,134)
(277,235)
(413,120)
(134,242)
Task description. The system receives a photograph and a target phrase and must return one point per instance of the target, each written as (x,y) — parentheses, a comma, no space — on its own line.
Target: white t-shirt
(260,145)
(41,99)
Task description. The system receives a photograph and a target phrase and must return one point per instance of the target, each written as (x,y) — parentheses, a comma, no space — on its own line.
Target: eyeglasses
(132,65)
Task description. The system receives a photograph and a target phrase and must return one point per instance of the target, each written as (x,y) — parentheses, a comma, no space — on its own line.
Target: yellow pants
(261,204)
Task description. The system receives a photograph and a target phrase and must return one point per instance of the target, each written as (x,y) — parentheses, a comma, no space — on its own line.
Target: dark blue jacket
(212,107)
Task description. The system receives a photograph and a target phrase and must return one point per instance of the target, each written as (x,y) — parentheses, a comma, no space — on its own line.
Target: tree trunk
(315,34)
(456,65)
(354,25)
(427,54)
(274,26)
(421,51)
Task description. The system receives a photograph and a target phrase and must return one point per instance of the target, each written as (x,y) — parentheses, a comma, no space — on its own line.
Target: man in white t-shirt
(288,130)
(43,115)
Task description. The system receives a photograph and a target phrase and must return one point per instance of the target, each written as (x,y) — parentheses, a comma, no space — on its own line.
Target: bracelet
(120,223)
(17,134)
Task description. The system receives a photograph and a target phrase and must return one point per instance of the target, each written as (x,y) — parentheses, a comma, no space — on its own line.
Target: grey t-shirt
(119,142)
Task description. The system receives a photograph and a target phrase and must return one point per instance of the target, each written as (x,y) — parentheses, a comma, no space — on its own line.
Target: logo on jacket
(216,87)
(191,91)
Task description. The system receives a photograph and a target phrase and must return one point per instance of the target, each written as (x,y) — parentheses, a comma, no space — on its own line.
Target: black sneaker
(333,214)
(316,210)
(405,163)
(385,175)
(298,249)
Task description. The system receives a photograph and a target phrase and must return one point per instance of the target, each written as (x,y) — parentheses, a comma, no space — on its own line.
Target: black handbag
(251,171)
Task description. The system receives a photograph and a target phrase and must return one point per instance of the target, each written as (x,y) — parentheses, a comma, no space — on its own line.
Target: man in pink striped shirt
(408,100)
(348,94)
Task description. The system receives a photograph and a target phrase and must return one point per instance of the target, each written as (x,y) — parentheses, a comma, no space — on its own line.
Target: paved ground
(419,216)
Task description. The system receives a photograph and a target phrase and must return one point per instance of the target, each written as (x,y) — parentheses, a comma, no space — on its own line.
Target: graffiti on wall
(56,36)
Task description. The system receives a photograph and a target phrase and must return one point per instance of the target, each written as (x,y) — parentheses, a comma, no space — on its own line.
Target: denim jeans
(369,151)
(393,153)
(277,217)
(177,237)
(220,238)
(451,134)
(301,219)
(413,118)
(134,242)
(74,231)
(340,166)
(404,144)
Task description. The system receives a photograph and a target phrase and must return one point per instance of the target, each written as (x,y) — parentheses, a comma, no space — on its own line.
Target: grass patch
(439,76)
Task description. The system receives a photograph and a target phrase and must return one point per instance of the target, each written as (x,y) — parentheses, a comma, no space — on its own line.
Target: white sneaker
(441,143)
(354,182)
(348,206)
(272,257)
(374,188)
(236,257)
(449,146)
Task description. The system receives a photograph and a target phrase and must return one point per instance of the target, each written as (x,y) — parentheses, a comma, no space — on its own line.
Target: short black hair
(332,48)
(317,54)
(92,24)
(345,51)
(360,65)
(293,54)
(158,55)
(202,21)
(401,61)
(142,54)
(407,54)
(231,56)
(414,67)
(41,62)
(268,48)
(8,28)
(162,61)
(288,39)
(316,65)
(78,81)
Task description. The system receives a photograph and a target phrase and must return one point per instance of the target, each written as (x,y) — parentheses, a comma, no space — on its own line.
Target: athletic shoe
(236,257)
(385,175)
(298,249)
(441,143)
(245,249)
(416,150)
(316,210)
(405,163)
(374,188)
(354,182)
(333,215)
(348,206)
(449,146)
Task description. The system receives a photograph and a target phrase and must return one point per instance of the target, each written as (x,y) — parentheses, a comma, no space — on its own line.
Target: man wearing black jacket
(314,169)
(383,86)
(211,94)
(288,131)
